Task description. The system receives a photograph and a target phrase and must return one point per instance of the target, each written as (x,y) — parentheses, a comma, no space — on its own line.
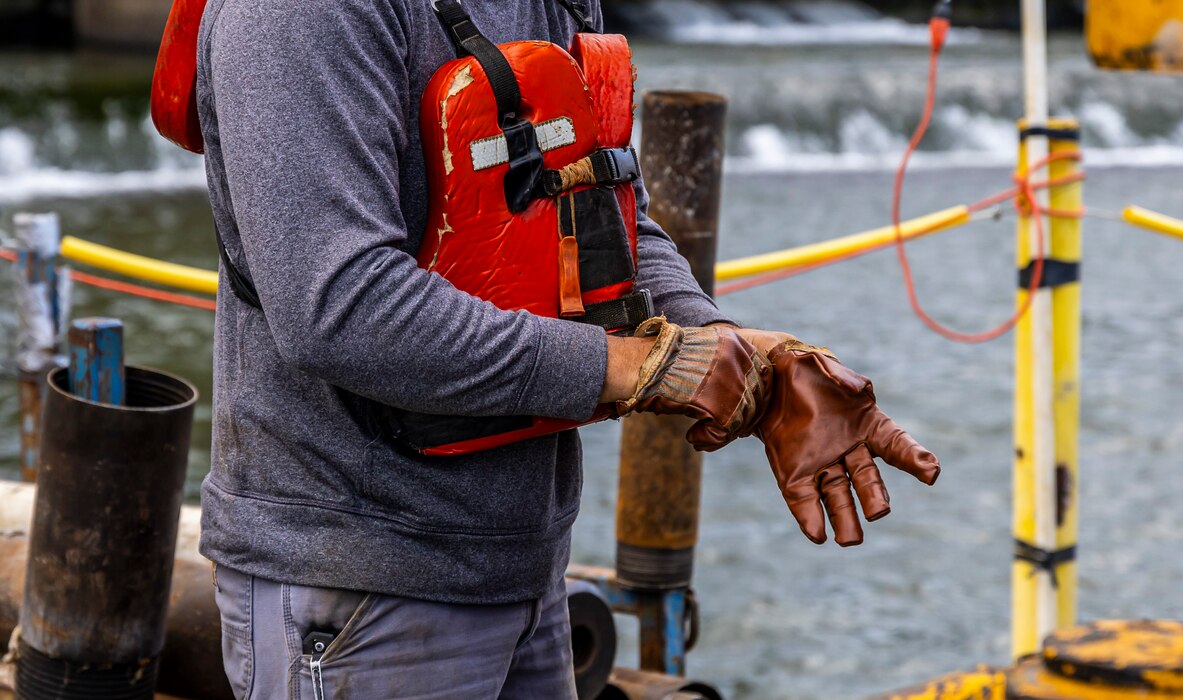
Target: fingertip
(929,472)
(879,515)
(850,543)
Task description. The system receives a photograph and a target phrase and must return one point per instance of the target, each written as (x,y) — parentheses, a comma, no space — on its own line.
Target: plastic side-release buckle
(606,167)
(616,165)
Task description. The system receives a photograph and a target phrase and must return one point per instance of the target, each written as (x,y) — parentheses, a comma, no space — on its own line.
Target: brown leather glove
(711,374)
(822,431)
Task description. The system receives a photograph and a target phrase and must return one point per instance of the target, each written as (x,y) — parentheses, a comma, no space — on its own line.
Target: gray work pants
(376,647)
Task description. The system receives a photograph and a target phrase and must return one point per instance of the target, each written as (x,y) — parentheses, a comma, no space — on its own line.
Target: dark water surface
(782,618)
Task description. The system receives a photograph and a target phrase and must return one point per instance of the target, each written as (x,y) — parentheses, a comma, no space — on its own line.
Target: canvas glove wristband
(710,374)
(822,431)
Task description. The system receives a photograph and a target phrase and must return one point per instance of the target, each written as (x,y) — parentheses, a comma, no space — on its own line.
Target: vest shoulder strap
(243,288)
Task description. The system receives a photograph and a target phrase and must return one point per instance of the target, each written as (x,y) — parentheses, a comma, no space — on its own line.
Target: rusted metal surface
(41,292)
(104,531)
(30,428)
(593,637)
(191,662)
(667,618)
(627,684)
(1031,680)
(660,474)
(1138,654)
(657,509)
(983,683)
(16,515)
(6,684)
(95,348)
(682,162)
(1136,34)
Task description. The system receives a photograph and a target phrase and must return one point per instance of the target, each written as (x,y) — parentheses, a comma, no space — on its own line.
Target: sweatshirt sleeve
(311,102)
(666,274)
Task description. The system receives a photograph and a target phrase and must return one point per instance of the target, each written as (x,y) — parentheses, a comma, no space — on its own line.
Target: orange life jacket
(530,178)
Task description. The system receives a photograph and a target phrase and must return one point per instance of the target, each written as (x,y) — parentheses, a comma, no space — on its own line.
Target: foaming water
(881,32)
(773,23)
(864,142)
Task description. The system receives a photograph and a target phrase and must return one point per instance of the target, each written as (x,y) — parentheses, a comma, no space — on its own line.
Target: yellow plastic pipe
(192,279)
(1153,221)
(827,251)
(1066,246)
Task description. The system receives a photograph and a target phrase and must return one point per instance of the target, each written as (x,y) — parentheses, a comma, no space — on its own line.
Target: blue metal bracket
(663,616)
(96,360)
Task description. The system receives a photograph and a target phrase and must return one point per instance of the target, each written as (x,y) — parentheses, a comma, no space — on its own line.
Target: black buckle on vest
(610,167)
(525,164)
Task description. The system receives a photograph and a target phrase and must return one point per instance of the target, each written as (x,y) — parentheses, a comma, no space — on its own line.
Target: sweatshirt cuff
(692,310)
(569,370)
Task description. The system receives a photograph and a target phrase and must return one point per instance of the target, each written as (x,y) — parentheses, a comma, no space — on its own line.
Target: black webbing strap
(469,41)
(525,157)
(1056,273)
(1043,559)
(579,13)
(243,288)
(626,312)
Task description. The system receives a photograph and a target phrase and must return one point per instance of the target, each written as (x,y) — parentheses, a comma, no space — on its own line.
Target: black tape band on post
(1056,273)
(103,539)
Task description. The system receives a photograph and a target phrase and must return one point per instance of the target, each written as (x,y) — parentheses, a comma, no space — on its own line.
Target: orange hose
(145,292)
(128,288)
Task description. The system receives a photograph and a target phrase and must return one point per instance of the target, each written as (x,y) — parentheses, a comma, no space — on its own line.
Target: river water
(815,127)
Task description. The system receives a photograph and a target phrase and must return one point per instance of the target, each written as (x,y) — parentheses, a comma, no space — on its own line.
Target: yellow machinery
(1136,34)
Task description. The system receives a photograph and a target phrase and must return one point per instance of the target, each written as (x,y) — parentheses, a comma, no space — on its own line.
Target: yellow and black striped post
(1047,406)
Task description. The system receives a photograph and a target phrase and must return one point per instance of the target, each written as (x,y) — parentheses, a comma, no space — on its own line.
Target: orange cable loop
(1024,197)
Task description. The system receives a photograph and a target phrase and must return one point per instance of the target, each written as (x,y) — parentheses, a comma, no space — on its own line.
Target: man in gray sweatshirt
(442,576)
(345,566)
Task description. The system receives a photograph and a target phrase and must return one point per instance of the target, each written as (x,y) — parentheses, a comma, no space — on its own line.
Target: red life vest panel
(571,250)
(174,82)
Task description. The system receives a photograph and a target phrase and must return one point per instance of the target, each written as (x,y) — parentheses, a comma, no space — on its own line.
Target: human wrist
(625,357)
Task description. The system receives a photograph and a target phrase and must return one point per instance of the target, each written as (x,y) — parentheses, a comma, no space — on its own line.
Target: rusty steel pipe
(593,638)
(191,662)
(660,474)
(103,539)
(629,684)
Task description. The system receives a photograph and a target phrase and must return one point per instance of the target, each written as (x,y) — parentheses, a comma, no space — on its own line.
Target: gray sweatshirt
(316,176)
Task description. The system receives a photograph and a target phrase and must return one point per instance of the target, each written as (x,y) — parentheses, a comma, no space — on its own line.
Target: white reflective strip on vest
(552,134)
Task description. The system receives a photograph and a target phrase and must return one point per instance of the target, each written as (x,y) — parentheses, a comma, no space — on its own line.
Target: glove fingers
(806,506)
(835,488)
(868,483)
(889,441)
